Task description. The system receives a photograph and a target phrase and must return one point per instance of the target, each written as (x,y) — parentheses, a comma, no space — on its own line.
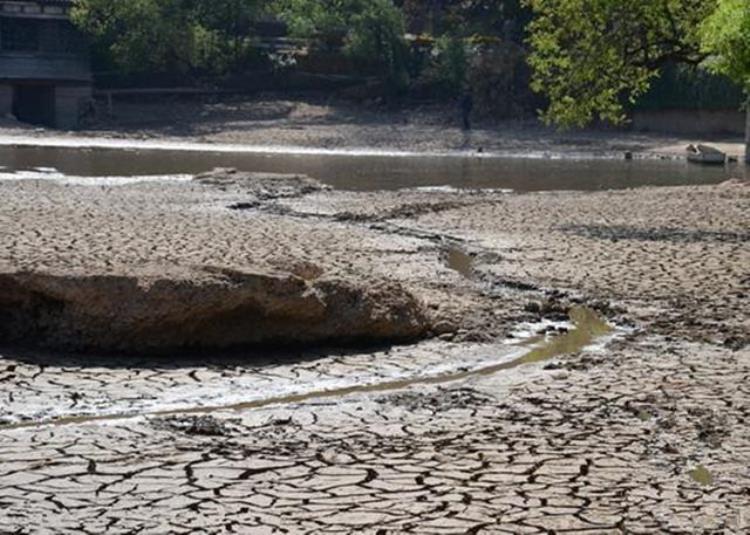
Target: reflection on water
(373,172)
(588,327)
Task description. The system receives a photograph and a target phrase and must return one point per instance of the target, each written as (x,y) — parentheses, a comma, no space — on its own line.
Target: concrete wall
(17,66)
(69,102)
(6,100)
(690,121)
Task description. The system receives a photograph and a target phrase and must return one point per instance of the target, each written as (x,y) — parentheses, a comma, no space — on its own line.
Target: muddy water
(460,262)
(700,474)
(376,172)
(587,328)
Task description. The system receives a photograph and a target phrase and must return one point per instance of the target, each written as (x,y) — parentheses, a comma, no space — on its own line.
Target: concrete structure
(45,74)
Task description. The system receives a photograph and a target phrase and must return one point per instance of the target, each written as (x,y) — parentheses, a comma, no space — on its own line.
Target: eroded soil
(640,432)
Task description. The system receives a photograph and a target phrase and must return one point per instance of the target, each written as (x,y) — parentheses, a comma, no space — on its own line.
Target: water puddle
(701,475)
(587,328)
(365,171)
(460,262)
(644,416)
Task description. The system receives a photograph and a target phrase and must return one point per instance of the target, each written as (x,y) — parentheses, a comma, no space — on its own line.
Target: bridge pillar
(6,100)
(69,103)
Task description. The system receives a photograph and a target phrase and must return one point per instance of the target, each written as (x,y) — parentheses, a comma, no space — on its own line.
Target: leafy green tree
(310,18)
(589,57)
(461,17)
(726,37)
(378,33)
(230,23)
(451,64)
(169,35)
(372,31)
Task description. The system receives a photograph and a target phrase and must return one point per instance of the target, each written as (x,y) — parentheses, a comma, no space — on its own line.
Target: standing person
(467,105)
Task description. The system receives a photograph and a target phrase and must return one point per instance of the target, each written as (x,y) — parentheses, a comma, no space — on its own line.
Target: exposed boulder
(156,310)
(261,186)
(196,425)
(705,154)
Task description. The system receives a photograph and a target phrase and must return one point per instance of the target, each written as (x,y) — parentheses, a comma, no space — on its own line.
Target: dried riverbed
(638,430)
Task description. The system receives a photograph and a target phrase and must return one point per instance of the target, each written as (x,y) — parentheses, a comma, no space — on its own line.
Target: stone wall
(20,66)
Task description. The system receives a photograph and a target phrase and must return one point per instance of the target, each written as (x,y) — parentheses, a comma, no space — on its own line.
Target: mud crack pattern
(647,434)
(577,451)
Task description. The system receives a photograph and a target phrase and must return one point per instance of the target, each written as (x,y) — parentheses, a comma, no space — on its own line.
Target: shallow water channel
(586,329)
(367,172)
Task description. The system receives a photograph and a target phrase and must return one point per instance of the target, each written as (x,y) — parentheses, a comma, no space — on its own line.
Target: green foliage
(484,17)
(169,35)
(309,18)
(197,37)
(726,37)
(591,56)
(498,78)
(444,67)
(372,31)
(451,63)
(463,17)
(378,33)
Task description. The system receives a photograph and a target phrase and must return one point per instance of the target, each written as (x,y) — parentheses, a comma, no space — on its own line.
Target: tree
(589,57)
(460,17)
(372,31)
(725,35)
(169,35)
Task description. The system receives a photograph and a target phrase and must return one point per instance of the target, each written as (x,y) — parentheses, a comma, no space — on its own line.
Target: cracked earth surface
(643,432)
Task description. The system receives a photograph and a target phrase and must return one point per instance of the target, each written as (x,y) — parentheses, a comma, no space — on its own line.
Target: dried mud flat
(643,431)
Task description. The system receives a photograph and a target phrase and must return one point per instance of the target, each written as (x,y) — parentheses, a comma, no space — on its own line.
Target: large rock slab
(157,309)
(261,186)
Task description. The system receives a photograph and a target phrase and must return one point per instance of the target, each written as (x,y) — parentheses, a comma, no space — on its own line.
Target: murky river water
(369,172)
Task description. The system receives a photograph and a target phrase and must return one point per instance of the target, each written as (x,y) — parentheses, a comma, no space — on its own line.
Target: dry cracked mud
(642,431)
(161,309)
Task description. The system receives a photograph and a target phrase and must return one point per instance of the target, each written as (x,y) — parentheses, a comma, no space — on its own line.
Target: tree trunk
(747,136)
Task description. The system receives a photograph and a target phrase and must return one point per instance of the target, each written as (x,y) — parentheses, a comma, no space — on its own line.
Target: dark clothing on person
(467,105)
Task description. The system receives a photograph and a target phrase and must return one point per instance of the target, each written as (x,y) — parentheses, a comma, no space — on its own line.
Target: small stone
(444,327)
(532,307)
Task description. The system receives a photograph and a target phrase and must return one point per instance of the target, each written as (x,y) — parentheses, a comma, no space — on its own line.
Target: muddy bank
(638,433)
(322,124)
(163,309)
(390,255)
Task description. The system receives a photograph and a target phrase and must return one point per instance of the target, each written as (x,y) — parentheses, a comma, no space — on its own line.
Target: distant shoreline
(275,125)
(52,140)
(106,143)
